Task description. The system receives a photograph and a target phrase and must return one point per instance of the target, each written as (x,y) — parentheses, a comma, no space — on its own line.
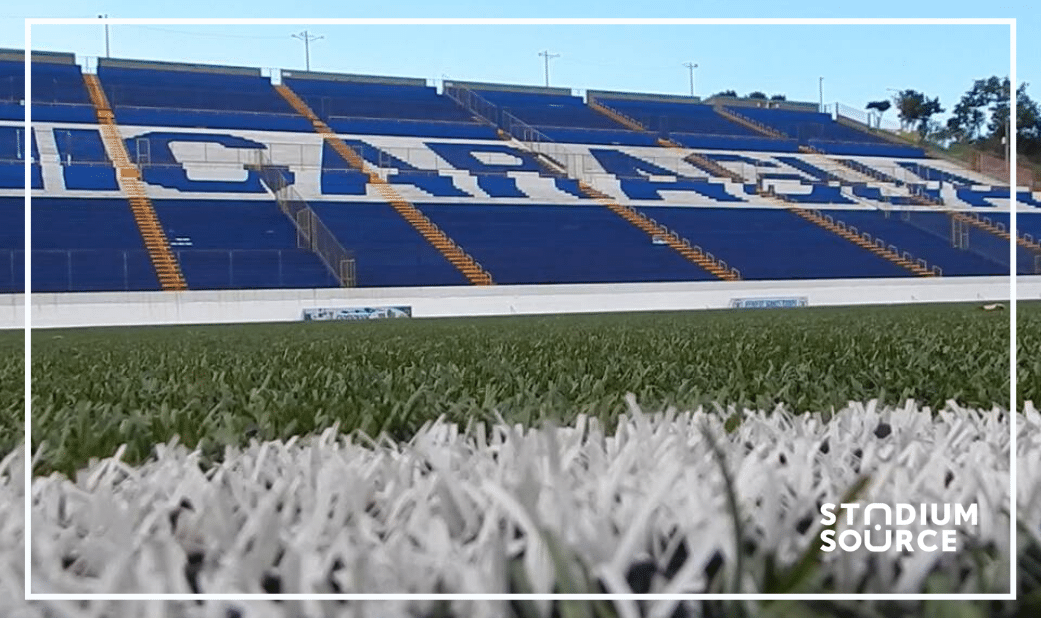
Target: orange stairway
(748,122)
(982,223)
(462,261)
(836,227)
(617,116)
(712,167)
(876,246)
(129,178)
(659,232)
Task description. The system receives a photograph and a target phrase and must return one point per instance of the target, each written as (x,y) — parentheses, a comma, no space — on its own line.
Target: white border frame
(30,22)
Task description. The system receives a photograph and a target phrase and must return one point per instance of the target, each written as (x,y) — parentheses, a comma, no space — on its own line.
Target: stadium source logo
(902,527)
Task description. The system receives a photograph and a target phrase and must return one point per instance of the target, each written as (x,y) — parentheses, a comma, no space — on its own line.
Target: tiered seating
(385,107)
(928,237)
(388,251)
(12,86)
(12,159)
(12,244)
(979,198)
(560,244)
(88,245)
(58,93)
(821,132)
(774,244)
(929,173)
(86,164)
(563,118)
(669,117)
(875,194)
(1029,223)
(92,243)
(695,125)
(158,94)
(231,244)
(820,194)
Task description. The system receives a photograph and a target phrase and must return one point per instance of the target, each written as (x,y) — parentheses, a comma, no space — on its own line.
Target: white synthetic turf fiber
(451,509)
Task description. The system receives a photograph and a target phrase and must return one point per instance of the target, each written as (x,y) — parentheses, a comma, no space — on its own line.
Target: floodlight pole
(548,56)
(307,37)
(691,66)
(821,86)
(105,16)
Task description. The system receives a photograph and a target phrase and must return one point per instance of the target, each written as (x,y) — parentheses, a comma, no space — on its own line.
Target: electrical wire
(208,34)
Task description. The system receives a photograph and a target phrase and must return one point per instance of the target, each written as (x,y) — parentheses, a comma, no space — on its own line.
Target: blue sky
(858,63)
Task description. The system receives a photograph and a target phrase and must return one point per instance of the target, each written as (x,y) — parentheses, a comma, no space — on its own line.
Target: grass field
(254,388)
(94,390)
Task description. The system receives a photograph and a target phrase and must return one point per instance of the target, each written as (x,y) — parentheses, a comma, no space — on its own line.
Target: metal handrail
(132,257)
(312,233)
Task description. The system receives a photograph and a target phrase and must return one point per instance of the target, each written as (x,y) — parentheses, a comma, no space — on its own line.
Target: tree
(907,103)
(880,106)
(778,97)
(916,109)
(966,121)
(726,93)
(757,95)
(925,114)
(986,106)
(968,116)
(1028,123)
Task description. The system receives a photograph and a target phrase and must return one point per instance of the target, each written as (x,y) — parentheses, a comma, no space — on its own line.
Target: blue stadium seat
(12,244)
(52,83)
(345,99)
(232,244)
(928,173)
(12,159)
(809,168)
(734,142)
(865,149)
(522,244)
(926,235)
(412,127)
(88,245)
(169,88)
(212,119)
(670,118)
(388,251)
(564,118)
(773,243)
(364,108)
(979,198)
(821,194)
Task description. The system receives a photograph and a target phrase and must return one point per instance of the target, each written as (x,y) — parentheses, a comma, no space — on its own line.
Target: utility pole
(105,16)
(307,37)
(691,66)
(1009,125)
(1008,143)
(548,56)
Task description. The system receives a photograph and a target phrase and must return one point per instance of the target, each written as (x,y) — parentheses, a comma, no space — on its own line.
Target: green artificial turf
(96,389)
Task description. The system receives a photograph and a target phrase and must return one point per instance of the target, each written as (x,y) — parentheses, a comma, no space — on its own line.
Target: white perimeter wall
(204,307)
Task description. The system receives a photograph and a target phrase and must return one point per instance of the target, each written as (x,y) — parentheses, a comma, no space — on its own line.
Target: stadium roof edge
(348,77)
(799,106)
(510,88)
(18,55)
(638,96)
(124,63)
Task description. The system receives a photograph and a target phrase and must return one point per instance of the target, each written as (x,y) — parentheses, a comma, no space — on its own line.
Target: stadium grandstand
(155,175)
(658,339)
